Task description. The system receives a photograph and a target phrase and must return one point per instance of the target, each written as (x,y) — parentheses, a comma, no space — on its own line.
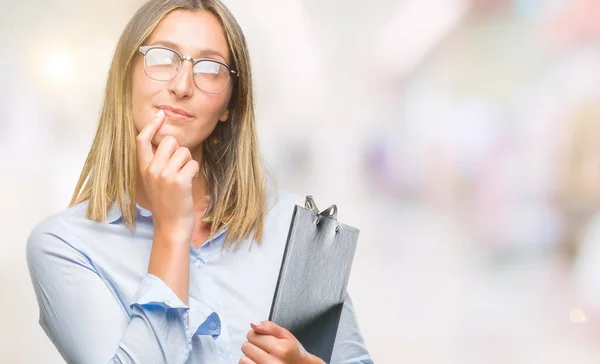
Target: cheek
(209,108)
(222,103)
(141,98)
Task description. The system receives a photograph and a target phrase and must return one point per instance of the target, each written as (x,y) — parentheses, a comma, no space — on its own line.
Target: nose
(182,86)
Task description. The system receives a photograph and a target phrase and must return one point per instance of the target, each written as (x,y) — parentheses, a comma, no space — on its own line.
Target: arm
(169,261)
(167,176)
(88,324)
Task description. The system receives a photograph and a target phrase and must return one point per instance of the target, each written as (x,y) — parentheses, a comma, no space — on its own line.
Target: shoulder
(53,235)
(282,201)
(58,223)
(279,209)
(283,198)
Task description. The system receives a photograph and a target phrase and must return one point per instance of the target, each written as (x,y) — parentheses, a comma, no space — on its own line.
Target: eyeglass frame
(145,49)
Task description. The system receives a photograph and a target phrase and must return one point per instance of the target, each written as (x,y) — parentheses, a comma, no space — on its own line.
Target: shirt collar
(114,213)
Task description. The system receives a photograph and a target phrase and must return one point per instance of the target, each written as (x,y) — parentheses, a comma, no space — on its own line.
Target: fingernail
(256,324)
(160,114)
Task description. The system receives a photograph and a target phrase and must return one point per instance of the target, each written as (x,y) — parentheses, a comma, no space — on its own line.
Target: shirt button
(198,264)
(212,325)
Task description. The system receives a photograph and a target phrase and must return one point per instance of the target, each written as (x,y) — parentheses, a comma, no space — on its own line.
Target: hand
(269,343)
(167,176)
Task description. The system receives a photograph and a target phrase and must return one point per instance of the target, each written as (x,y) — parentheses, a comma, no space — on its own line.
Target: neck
(200,188)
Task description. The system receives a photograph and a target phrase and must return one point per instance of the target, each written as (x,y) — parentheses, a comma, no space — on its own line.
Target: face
(195,34)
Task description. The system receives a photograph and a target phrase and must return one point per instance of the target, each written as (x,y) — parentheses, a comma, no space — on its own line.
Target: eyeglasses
(163,64)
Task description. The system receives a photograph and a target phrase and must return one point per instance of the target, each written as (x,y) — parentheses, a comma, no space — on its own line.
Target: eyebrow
(204,52)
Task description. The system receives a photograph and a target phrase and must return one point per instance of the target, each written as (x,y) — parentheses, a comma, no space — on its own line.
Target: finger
(246,360)
(270,328)
(189,171)
(268,343)
(144,139)
(255,353)
(165,150)
(181,156)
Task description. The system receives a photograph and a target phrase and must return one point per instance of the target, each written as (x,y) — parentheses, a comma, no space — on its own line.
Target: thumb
(270,328)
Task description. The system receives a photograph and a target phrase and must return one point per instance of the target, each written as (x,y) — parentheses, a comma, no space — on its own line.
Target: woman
(151,262)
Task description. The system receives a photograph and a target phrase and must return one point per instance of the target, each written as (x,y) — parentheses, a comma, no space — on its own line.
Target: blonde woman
(172,243)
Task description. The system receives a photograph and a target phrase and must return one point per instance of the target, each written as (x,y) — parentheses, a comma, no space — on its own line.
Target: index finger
(144,139)
(271,328)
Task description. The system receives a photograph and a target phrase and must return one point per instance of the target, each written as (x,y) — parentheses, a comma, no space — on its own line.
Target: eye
(161,57)
(207,67)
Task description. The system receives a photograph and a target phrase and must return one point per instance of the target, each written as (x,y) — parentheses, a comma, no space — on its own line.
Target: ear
(224,116)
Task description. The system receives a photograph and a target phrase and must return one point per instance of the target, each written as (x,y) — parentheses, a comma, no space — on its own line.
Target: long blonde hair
(231,161)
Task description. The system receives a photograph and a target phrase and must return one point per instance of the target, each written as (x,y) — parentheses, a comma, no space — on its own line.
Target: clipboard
(314,274)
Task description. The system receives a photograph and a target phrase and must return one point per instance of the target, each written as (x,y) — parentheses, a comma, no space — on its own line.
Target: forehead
(193,33)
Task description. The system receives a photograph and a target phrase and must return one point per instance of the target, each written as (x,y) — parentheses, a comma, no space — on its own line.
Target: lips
(175,113)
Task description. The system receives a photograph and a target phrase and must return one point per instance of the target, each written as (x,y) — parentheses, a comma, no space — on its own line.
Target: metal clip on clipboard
(314,273)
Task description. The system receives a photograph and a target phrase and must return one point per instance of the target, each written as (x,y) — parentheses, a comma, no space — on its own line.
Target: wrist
(171,236)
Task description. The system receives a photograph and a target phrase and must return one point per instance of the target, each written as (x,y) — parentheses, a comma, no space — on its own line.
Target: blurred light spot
(96,55)
(577,316)
(59,66)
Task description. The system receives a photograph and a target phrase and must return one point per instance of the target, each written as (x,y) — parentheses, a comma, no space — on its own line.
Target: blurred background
(462,138)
